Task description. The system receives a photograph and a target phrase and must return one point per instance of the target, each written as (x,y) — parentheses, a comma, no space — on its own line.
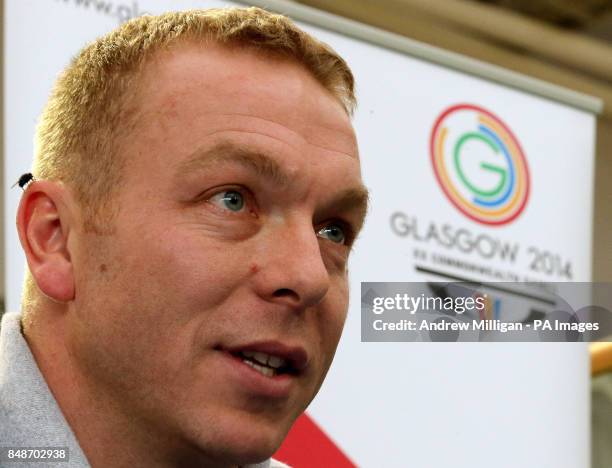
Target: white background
(386,404)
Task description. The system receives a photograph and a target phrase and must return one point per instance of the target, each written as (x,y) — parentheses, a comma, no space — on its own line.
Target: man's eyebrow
(226,152)
(350,199)
(353,199)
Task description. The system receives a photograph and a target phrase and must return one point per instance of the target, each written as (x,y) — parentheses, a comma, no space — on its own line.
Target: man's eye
(334,233)
(229,199)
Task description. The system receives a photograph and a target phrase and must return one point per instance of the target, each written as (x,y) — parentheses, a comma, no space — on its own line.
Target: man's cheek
(337,310)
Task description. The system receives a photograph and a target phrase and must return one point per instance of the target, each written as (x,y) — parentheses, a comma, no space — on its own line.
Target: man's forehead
(212,78)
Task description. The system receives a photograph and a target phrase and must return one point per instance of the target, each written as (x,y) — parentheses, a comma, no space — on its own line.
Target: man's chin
(255,449)
(244,441)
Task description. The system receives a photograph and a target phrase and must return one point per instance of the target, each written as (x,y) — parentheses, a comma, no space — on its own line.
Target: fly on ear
(24,180)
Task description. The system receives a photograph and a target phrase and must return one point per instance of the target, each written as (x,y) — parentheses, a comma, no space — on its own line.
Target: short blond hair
(89,106)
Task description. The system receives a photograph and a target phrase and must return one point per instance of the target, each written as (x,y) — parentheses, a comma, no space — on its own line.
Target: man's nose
(291,269)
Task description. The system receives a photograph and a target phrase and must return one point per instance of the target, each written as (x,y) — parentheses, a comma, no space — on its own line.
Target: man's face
(242,194)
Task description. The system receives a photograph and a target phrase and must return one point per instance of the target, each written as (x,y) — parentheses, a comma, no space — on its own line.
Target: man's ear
(44,222)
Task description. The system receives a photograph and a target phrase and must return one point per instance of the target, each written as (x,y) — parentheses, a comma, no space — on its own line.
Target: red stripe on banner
(307,445)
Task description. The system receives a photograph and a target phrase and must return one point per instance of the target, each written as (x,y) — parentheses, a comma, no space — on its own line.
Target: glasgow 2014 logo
(479,164)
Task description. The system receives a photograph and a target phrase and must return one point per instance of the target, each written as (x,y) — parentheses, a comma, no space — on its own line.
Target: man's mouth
(266,364)
(271,359)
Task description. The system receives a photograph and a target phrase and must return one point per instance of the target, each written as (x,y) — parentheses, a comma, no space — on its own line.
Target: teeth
(265,359)
(267,371)
(276,362)
(262,358)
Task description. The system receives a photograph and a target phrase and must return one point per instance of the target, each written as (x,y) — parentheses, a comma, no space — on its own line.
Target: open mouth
(266,364)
